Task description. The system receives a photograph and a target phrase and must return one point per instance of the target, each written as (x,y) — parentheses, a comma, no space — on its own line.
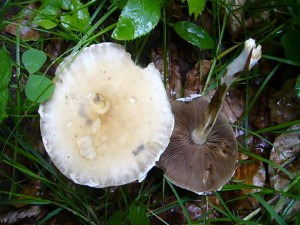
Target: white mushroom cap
(109,120)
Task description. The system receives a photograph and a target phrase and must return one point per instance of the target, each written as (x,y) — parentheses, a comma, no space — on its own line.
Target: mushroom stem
(200,134)
(243,63)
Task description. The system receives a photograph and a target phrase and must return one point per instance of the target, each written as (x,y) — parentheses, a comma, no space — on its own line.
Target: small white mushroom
(109,120)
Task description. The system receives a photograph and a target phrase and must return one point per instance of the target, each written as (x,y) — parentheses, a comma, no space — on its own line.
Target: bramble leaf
(196,7)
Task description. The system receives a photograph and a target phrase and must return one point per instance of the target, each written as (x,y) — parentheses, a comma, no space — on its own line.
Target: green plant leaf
(5,76)
(194,34)
(79,17)
(297,86)
(291,44)
(196,7)
(47,15)
(53,3)
(119,3)
(44,22)
(33,59)
(137,19)
(138,215)
(66,4)
(73,15)
(116,218)
(39,88)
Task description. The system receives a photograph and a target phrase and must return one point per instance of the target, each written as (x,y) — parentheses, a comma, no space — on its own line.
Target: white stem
(244,62)
(240,63)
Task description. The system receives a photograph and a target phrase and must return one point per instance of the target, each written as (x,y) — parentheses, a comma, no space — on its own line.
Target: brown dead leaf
(285,105)
(256,19)
(13,217)
(236,17)
(234,105)
(27,31)
(285,152)
(250,171)
(55,48)
(33,188)
(173,79)
(195,78)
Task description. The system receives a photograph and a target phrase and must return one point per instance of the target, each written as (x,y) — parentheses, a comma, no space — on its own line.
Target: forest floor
(263,107)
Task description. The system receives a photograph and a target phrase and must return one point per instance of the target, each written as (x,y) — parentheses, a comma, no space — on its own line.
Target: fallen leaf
(174,78)
(27,29)
(284,105)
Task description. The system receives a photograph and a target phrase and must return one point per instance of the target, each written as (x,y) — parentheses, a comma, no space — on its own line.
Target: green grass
(23,161)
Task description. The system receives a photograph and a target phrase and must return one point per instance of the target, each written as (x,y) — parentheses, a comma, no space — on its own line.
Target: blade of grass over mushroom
(194,34)
(137,19)
(5,76)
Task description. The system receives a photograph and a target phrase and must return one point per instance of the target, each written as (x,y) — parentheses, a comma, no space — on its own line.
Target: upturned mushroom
(202,153)
(109,120)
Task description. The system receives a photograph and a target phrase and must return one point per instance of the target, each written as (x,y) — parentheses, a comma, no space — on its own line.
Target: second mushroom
(202,153)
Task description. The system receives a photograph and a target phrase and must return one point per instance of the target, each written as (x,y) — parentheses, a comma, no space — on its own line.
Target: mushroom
(108,120)
(202,153)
